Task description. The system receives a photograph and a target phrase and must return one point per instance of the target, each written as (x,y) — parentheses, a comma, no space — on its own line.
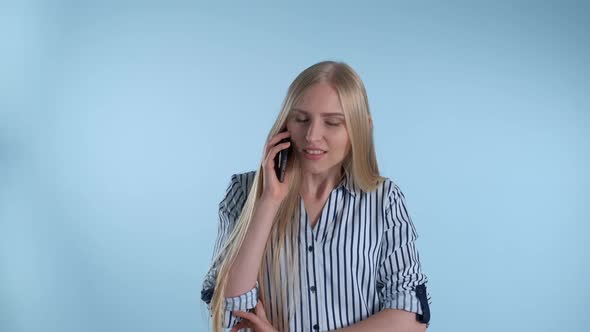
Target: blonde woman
(332,247)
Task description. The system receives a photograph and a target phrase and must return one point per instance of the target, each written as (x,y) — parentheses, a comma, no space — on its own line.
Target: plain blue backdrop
(121,124)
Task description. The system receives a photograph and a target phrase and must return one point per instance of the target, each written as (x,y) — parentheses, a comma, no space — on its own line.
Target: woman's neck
(319,185)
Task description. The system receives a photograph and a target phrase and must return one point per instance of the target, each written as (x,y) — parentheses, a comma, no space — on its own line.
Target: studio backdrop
(121,124)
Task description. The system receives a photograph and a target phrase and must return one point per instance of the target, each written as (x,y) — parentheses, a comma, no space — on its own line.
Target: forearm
(244,271)
(392,320)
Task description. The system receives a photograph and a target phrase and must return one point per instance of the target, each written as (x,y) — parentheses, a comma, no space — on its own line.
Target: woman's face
(316,122)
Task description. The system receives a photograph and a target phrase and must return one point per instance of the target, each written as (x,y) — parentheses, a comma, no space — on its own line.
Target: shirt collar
(347,183)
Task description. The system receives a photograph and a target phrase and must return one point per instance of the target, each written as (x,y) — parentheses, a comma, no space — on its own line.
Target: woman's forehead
(322,114)
(319,96)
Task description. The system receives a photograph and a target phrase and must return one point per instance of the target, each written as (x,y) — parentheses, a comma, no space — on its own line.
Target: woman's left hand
(256,320)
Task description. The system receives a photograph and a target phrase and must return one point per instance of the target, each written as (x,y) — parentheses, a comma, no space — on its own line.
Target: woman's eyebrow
(322,114)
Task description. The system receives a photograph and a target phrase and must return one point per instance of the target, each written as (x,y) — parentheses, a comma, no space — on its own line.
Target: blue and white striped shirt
(359,258)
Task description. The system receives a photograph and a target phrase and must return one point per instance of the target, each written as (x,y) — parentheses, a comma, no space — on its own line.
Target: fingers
(275,139)
(278,137)
(252,318)
(241,325)
(248,315)
(260,310)
(256,320)
(274,151)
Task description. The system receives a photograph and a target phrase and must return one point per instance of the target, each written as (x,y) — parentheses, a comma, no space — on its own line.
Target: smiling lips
(313,154)
(314,151)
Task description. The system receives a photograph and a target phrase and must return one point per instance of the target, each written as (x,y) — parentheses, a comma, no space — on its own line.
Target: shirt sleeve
(229,210)
(400,281)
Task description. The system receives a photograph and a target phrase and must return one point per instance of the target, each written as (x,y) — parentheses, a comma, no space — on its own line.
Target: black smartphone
(281,160)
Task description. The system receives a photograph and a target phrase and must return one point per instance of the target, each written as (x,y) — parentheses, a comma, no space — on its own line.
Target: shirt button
(316,327)
(310,248)
(312,288)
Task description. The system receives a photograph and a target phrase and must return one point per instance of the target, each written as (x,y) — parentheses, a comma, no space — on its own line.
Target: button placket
(315,289)
(311,266)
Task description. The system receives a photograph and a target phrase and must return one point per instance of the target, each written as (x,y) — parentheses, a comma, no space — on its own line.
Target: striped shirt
(359,258)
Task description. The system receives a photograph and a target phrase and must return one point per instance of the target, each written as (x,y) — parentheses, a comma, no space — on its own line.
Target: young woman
(333,246)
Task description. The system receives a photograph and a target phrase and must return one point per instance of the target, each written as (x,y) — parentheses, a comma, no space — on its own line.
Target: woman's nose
(314,131)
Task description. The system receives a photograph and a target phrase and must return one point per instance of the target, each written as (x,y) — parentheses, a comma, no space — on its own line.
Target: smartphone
(281,160)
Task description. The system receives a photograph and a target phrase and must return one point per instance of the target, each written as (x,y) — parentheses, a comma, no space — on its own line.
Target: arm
(400,281)
(392,320)
(244,271)
(230,208)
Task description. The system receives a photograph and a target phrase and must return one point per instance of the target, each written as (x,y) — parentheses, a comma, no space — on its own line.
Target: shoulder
(388,190)
(393,204)
(236,193)
(243,181)
(237,189)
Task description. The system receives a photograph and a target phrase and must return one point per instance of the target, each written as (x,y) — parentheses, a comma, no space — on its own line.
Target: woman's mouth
(314,154)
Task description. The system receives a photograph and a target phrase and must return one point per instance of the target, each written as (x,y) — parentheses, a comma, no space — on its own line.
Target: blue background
(121,124)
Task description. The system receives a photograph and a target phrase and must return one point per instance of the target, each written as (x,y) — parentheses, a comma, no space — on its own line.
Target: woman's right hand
(273,189)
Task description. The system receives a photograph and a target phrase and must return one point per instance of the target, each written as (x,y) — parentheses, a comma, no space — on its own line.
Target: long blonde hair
(360,163)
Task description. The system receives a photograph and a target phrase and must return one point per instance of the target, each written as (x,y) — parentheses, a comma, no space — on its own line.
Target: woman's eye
(331,124)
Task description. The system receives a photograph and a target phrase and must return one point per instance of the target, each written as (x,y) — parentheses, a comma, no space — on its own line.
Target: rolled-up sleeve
(400,281)
(229,210)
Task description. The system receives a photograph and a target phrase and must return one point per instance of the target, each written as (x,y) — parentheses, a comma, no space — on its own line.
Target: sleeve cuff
(242,302)
(416,300)
(407,301)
